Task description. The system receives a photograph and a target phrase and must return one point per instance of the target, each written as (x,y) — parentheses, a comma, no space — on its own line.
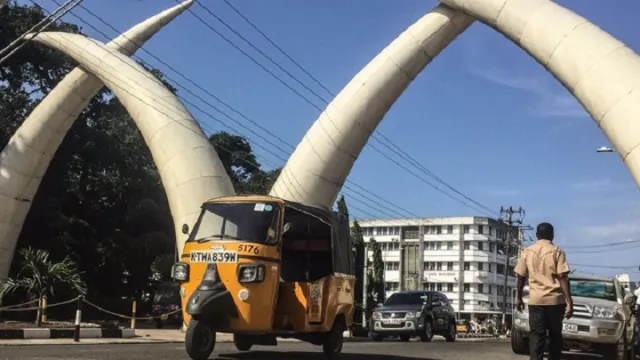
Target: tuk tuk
(260,267)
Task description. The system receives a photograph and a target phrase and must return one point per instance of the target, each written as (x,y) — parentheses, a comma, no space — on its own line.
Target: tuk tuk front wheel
(200,340)
(332,346)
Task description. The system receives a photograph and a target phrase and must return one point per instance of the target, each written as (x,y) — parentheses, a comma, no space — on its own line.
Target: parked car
(166,300)
(463,326)
(414,313)
(602,320)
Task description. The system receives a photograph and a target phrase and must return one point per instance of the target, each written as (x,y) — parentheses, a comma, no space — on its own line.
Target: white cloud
(592,185)
(549,103)
(618,231)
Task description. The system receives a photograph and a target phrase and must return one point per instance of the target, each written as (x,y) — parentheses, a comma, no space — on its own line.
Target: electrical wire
(204,124)
(400,211)
(403,155)
(54,17)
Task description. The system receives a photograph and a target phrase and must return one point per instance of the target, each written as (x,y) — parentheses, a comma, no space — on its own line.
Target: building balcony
(476,237)
(441,237)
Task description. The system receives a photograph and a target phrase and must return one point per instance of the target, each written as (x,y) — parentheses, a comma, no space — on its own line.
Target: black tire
(404,338)
(377,338)
(519,344)
(450,336)
(617,351)
(200,340)
(427,333)
(241,343)
(332,346)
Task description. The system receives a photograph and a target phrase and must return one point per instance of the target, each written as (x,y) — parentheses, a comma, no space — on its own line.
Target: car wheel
(377,338)
(427,333)
(451,335)
(519,344)
(617,351)
(405,338)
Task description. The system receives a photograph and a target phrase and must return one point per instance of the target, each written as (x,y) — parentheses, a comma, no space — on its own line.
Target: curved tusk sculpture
(599,70)
(189,166)
(25,159)
(322,161)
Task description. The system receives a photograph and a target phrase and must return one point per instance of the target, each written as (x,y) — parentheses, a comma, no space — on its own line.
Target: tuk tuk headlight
(180,271)
(376,316)
(250,273)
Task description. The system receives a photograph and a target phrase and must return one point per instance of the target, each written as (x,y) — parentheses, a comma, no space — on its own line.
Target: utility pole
(507,214)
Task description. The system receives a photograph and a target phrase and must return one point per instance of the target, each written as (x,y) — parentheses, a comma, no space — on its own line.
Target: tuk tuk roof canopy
(341,244)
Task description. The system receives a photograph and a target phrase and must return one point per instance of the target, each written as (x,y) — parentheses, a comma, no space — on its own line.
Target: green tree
(378,271)
(39,276)
(357,239)
(342,207)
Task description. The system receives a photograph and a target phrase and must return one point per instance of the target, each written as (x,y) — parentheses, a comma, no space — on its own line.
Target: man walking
(545,265)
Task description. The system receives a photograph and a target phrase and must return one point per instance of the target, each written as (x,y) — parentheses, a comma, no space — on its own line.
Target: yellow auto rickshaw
(260,267)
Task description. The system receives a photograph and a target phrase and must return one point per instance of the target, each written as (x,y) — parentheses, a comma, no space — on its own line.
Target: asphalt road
(284,351)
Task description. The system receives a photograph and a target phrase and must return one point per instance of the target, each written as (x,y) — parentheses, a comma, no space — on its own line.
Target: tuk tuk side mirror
(286,228)
(185,229)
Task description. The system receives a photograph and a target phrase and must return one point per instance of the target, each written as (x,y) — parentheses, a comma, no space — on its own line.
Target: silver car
(602,320)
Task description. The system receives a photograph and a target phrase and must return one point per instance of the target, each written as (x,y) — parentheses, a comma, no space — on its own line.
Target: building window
(438,245)
(481,288)
(449,245)
(480,245)
(438,266)
(467,246)
(439,286)
(491,247)
(449,229)
(490,230)
(481,266)
(490,289)
(467,266)
(450,266)
(480,229)
(396,230)
(431,266)
(391,265)
(467,288)
(449,287)
(466,229)
(391,286)
(438,229)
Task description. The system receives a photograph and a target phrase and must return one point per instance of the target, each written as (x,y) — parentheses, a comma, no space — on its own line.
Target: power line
(402,154)
(214,118)
(402,210)
(626,242)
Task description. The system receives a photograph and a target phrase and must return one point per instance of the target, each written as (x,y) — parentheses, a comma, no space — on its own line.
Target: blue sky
(483,116)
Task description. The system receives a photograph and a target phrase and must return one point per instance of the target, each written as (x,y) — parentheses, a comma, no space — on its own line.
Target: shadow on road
(263,355)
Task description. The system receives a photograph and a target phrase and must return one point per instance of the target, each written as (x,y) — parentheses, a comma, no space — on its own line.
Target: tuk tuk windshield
(243,221)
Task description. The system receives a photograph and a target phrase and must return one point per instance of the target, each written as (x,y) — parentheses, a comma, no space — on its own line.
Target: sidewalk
(149,336)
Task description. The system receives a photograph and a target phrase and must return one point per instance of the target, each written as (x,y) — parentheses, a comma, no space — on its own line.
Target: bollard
(133,315)
(44,309)
(76,335)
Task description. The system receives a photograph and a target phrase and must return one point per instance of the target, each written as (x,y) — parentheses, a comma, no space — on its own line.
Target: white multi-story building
(463,257)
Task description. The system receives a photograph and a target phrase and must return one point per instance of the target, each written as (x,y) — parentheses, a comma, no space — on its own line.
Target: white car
(602,320)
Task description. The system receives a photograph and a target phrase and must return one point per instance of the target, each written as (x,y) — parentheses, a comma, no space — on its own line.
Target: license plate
(214,257)
(392,321)
(570,328)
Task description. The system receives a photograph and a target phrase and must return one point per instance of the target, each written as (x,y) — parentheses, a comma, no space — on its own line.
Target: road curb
(45,333)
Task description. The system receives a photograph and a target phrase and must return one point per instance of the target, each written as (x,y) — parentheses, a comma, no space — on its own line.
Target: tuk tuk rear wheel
(241,344)
(332,346)
(200,340)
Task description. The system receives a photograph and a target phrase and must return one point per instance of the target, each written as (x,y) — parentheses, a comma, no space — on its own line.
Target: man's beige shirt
(542,263)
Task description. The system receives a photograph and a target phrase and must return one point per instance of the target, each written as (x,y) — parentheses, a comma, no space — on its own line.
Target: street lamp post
(605,149)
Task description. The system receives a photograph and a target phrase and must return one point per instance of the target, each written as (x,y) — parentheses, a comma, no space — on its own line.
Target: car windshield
(597,289)
(405,299)
(245,221)
(167,294)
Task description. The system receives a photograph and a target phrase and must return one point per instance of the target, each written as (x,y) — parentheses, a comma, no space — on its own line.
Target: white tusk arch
(189,166)
(322,161)
(599,70)
(25,159)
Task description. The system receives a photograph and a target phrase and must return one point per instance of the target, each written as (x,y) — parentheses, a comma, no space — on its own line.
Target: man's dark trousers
(543,318)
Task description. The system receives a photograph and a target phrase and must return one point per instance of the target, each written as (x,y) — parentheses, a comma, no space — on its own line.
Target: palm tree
(39,276)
